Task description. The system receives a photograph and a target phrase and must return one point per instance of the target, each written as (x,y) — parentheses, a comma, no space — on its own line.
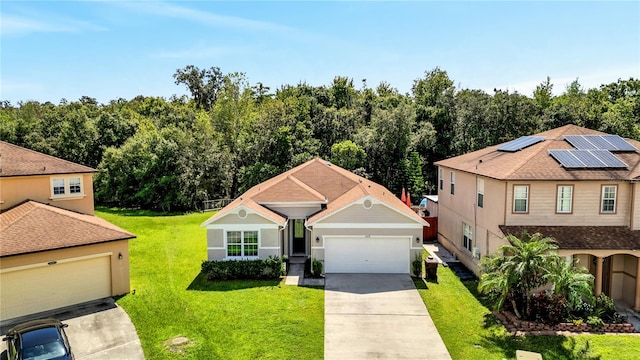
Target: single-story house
(322,211)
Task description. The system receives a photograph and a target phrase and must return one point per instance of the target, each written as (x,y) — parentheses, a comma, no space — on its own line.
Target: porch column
(636,305)
(598,289)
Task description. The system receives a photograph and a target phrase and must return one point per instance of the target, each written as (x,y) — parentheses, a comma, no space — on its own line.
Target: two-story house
(54,252)
(576,185)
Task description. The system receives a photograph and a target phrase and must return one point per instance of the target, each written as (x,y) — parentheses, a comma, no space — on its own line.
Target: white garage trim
(79,258)
(334,225)
(367,254)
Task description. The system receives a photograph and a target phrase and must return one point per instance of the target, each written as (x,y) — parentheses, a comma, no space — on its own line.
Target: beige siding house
(53,251)
(319,210)
(576,185)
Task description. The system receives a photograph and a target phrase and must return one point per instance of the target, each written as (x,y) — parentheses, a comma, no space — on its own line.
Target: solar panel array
(520,143)
(593,159)
(599,142)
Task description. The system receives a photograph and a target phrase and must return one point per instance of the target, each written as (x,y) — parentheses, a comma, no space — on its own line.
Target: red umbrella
(408,202)
(403,197)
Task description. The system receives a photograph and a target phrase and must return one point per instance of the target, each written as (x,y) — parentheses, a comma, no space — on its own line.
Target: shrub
(595,322)
(416,265)
(316,267)
(604,308)
(548,308)
(270,268)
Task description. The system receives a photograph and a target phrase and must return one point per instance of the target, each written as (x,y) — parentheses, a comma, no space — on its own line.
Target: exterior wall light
(317,239)
(418,240)
(120,256)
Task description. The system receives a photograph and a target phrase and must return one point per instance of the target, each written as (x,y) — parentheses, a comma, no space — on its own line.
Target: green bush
(268,269)
(316,267)
(416,265)
(595,322)
(604,308)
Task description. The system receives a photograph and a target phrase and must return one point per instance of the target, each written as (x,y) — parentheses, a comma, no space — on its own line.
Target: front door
(298,238)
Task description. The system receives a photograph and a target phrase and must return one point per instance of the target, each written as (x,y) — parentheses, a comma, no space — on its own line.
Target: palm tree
(524,265)
(572,282)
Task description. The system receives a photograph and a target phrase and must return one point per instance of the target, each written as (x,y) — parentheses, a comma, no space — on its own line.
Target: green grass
(226,320)
(470,331)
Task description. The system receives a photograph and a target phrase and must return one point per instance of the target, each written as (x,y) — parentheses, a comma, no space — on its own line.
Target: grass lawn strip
(226,320)
(470,331)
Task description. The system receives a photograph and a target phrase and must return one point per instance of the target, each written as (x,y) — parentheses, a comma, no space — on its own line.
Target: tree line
(171,154)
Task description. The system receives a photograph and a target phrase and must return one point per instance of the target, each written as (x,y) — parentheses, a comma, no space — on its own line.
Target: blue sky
(110,49)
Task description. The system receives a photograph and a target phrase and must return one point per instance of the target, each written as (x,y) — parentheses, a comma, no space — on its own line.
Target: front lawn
(470,331)
(226,320)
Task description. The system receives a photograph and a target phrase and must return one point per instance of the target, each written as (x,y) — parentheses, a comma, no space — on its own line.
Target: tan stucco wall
(215,238)
(358,214)
(119,268)
(269,238)
(14,190)
(235,219)
(586,205)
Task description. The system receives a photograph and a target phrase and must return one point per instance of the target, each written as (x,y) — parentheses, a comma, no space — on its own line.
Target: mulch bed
(521,327)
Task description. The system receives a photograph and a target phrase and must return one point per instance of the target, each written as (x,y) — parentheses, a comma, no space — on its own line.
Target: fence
(211,205)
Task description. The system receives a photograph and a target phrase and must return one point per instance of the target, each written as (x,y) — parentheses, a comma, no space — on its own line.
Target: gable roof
(535,163)
(18,161)
(34,227)
(315,182)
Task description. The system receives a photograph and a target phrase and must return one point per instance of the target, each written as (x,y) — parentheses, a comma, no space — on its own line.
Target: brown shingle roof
(18,161)
(316,181)
(33,227)
(583,237)
(535,163)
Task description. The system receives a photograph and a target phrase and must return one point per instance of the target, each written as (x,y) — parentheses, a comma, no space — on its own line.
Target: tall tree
(202,84)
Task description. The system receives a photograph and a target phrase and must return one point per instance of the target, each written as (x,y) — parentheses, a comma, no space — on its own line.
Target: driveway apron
(378,316)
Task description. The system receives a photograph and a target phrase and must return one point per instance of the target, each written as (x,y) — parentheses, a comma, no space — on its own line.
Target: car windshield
(42,344)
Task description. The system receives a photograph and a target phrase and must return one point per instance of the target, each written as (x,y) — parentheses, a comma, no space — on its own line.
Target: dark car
(43,339)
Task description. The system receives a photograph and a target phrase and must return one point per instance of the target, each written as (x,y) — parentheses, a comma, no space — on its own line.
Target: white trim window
(565,199)
(453,183)
(608,203)
(521,198)
(467,236)
(66,187)
(242,244)
(441,179)
(480,186)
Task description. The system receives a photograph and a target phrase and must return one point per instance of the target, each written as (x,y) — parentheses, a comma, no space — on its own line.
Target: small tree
(524,265)
(573,283)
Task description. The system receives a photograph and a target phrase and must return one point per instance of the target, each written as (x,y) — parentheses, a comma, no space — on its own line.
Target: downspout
(282,238)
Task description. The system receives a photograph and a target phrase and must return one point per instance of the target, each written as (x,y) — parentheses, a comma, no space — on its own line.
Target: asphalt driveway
(97,330)
(378,316)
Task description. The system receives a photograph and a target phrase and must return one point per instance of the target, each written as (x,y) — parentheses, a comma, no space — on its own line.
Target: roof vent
(367,204)
(242,214)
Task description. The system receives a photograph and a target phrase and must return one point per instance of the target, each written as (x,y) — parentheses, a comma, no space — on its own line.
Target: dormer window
(63,187)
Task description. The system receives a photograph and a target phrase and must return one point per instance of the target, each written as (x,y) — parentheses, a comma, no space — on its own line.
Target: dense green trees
(230,135)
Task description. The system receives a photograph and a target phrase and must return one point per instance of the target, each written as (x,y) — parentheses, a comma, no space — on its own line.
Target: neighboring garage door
(47,287)
(367,255)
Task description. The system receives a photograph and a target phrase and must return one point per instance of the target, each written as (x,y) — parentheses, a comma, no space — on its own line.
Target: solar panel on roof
(599,142)
(620,143)
(610,160)
(579,142)
(588,159)
(520,143)
(566,159)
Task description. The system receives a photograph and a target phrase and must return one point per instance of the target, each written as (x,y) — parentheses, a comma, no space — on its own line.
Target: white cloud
(205,17)
(16,24)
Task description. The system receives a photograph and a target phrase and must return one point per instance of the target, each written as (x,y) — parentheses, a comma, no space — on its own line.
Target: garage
(360,254)
(45,286)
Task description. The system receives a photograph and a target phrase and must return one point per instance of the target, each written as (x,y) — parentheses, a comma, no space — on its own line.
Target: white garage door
(49,287)
(367,255)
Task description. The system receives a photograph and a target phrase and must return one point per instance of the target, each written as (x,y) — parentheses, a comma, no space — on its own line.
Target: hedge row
(268,269)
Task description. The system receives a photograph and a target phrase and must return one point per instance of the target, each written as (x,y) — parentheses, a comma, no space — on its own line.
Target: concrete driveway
(97,330)
(377,316)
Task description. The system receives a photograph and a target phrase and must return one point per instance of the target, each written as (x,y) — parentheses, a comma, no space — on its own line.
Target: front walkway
(378,316)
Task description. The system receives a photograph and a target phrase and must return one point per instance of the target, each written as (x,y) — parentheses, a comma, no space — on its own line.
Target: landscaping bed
(523,327)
